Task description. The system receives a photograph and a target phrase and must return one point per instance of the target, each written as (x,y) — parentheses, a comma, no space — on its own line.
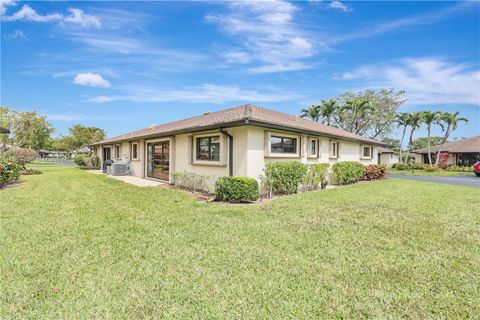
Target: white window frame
(131,151)
(119,154)
(223,147)
(268,145)
(317,148)
(337,149)
(362,156)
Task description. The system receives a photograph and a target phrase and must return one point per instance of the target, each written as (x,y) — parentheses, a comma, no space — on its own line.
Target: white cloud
(266,33)
(340,6)
(77,17)
(281,67)
(6,3)
(17,34)
(206,93)
(91,80)
(425,80)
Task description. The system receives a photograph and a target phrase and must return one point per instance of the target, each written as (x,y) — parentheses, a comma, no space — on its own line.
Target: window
(366,152)
(117,152)
(313,147)
(208,148)
(283,144)
(333,149)
(134,151)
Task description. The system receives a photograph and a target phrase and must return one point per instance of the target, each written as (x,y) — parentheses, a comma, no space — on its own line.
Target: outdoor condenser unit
(119,169)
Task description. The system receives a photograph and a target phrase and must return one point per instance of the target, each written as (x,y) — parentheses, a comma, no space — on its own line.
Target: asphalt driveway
(467,180)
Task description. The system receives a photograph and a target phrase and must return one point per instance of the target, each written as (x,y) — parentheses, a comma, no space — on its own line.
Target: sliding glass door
(158,160)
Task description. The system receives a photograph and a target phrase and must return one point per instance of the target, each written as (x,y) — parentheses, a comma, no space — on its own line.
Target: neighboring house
(462,152)
(4,130)
(237,141)
(387,157)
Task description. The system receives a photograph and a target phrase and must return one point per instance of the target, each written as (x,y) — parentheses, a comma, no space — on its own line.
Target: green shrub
(191,181)
(9,170)
(418,166)
(430,168)
(286,176)
(443,165)
(236,189)
(347,172)
(459,168)
(316,175)
(22,155)
(375,171)
(29,172)
(80,158)
(400,166)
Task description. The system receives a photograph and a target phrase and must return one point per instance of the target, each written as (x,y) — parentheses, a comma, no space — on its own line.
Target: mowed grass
(423,173)
(77,245)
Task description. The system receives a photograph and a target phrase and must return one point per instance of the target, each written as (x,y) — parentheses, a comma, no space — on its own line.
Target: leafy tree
(354,115)
(393,144)
(402,120)
(30,130)
(80,136)
(379,121)
(313,113)
(415,121)
(449,122)
(6,119)
(430,118)
(422,142)
(327,111)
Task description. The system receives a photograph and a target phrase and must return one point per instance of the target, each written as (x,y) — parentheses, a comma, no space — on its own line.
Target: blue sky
(123,66)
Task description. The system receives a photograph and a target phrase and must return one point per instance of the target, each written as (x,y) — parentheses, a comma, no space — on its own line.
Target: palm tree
(313,112)
(451,120)
(328,109)
(402,120)
(358,108)
(415,122)
(429,118)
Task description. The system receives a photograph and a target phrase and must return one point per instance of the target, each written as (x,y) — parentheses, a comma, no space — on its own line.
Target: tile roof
(253,114)
(461,146)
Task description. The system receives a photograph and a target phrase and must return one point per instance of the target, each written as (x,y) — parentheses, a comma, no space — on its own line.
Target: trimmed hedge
(22,155)
(9,170)
(236,189)
(347,172)
(191,181)
(375,171)
(86,161)
(286,176)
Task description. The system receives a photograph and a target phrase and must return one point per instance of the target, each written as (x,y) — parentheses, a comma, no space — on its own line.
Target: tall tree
(6,119)
(393,144)
(415,122)
(430,118)
(421,142)
(402,119)
(449,122)
(81,136)
(30,130)
(378,123)
(327,111)
(354,115)
(313,113)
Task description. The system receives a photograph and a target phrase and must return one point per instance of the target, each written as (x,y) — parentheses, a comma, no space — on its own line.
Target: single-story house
(463,152)
(237,141)
(387,157)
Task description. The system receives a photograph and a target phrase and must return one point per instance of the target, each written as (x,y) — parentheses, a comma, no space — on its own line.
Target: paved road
(470,180)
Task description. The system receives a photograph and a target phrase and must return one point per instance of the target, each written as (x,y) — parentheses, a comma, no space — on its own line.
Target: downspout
(230,151)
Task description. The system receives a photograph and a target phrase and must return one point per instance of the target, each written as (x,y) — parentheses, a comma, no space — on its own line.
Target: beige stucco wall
(389,159)
(249,156)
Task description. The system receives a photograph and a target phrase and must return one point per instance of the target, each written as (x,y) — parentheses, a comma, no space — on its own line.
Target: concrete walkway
(139,182)
(466,180)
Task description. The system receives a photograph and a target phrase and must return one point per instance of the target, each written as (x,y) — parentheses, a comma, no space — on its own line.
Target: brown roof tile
(255,115)
(461,146)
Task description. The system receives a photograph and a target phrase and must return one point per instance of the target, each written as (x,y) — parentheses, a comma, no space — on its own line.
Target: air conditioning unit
(119,169)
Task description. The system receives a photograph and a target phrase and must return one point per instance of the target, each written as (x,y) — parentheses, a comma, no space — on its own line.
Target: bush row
(9,170)
(191,181)
(431,168)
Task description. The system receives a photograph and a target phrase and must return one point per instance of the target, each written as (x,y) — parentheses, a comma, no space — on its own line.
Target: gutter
(230,151)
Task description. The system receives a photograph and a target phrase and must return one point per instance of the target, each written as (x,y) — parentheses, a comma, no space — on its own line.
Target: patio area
(139,182)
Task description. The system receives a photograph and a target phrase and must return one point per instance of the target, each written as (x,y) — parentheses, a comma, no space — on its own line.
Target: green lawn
(75,245)
(440,173)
